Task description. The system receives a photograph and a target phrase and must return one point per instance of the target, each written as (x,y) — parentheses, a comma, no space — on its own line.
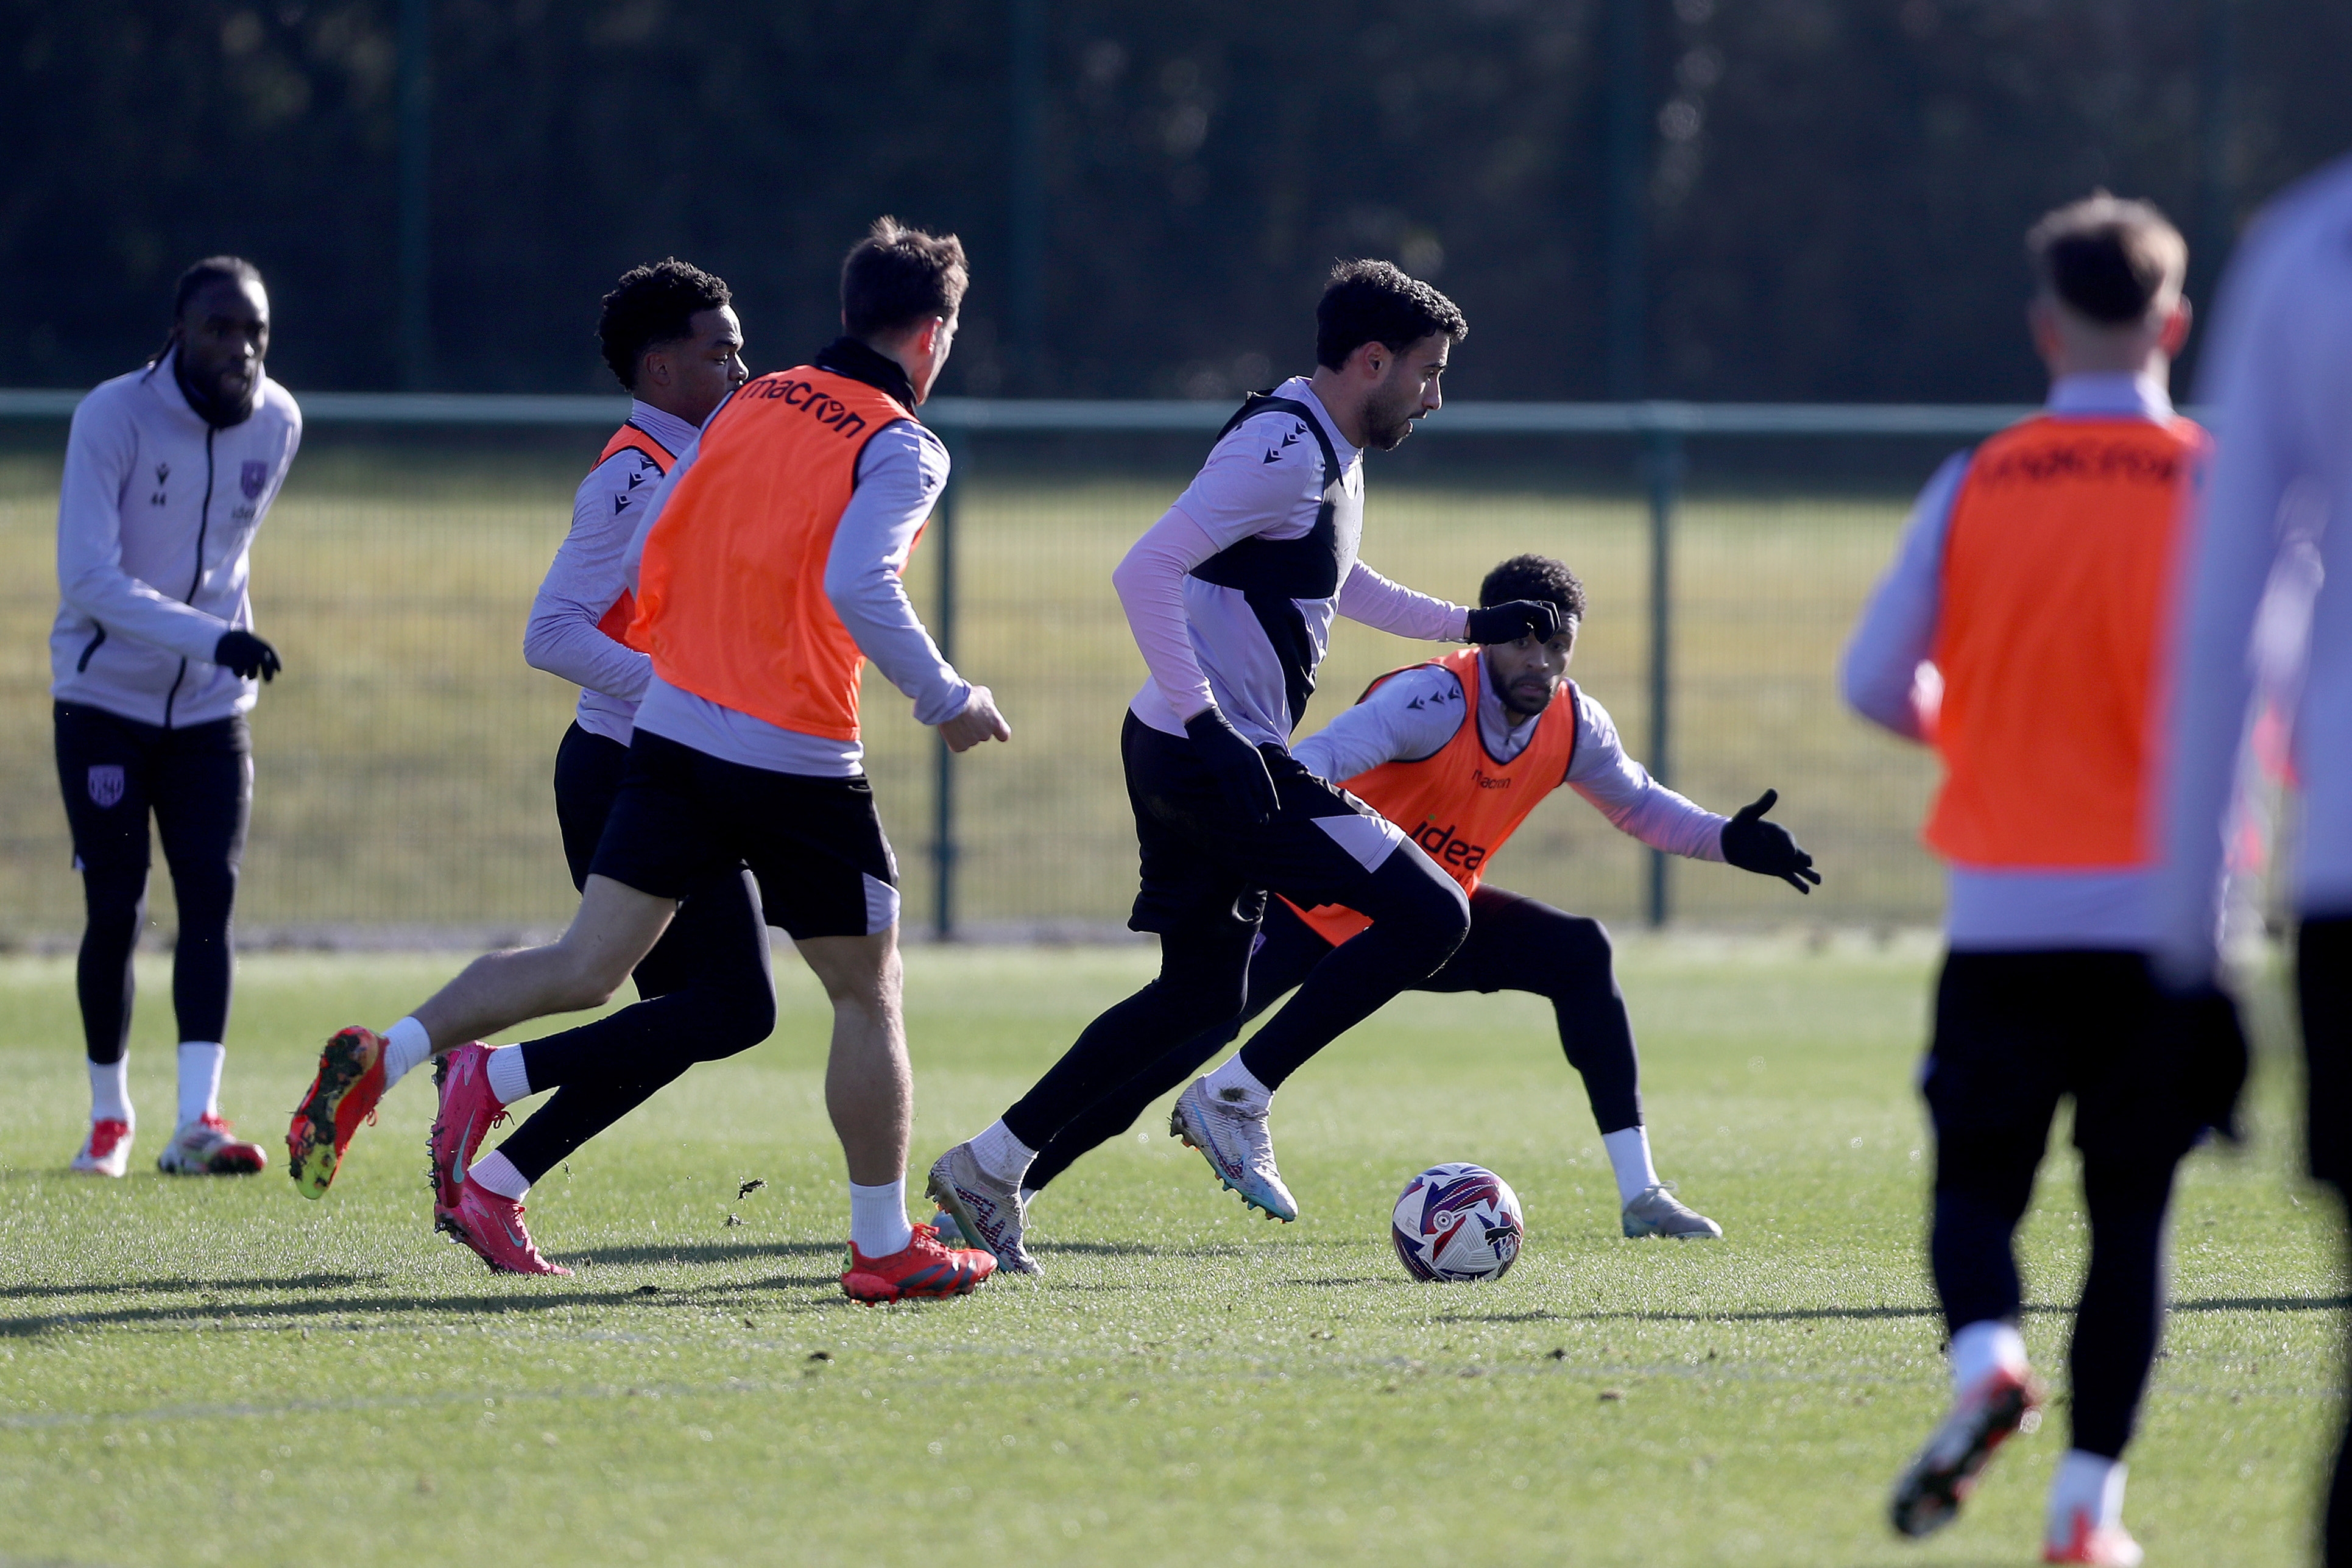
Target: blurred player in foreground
(2279,375)
(2019,634)
(671,337)
(1460,785)
(767,573)
(1231,597)
(169,471)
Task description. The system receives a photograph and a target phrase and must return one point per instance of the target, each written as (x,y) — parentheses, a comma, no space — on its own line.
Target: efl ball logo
(1457,1222)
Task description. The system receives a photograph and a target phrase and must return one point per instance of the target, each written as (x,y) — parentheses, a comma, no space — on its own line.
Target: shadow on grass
(1866,1315)
(180,1286)
(688,1253)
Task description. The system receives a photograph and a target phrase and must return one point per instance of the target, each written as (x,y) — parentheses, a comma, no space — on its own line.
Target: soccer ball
(1457,1222)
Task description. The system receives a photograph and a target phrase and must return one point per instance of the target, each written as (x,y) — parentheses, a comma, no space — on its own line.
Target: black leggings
(1515,944)
(706,989)
(2014,1033)
(2323,987)
(197,783)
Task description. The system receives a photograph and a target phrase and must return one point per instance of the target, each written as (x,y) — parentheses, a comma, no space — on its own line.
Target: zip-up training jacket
(156,521)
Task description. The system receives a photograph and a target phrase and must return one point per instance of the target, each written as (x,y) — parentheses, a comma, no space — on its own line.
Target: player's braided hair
(1535,577)
(1373,301)
(211,270)
(651,305)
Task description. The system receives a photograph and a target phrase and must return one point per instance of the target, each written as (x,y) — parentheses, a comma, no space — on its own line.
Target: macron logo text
(823,406)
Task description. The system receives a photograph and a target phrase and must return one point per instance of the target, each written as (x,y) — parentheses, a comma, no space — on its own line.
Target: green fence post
(1662,473)
(943,626)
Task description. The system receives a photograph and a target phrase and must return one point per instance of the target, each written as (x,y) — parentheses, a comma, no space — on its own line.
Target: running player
(672,338)
(1460,788)
(169,471)
(768,570)
(1230,597)
(2017,633)
(2280,376)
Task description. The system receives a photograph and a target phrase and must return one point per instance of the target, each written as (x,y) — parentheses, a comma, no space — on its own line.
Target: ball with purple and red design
(1457,1222)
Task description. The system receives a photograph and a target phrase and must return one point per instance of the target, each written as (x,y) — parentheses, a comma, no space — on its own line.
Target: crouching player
(1458,752)
(767,571)
(2030,587)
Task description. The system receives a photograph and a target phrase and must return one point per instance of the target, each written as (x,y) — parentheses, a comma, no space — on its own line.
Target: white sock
(1981,1348)
(1001,1155)
(1629,1156)
(877,1218)
(407,1046)
(1028,1196)
(495,1173)
(110,1090)
(1235,1085)
(507,1079)
(200,1076)
(2086,1483)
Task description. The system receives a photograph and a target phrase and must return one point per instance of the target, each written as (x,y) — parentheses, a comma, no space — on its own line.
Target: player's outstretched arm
(1765,847)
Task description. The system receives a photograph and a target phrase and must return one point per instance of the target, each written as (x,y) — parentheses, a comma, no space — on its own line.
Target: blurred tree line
(1833,192)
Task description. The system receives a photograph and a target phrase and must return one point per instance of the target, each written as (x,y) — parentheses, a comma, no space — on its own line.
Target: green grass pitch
(199,1372)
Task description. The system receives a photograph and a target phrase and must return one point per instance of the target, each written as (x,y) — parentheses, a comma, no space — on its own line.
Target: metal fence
(403,758)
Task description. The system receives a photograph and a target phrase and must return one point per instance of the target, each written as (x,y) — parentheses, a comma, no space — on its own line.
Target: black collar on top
(847,356)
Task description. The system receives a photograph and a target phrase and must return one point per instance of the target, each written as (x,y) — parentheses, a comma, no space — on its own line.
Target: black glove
(1240,770)
(246,656)
(1509,623)
(2200,1029)
(1765,847)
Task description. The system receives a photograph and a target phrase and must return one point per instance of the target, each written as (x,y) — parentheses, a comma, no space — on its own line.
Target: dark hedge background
(1835,191)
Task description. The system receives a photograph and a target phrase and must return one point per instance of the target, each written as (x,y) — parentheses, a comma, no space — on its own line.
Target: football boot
(987,1211)
(926,1267)
(208,1146)
(344,1093)
(107,1151)
(1237,1146)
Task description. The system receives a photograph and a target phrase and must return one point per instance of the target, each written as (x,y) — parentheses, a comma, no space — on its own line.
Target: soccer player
(671,336)
(1230,597)
(1460,787)
(767,573)
(2279,373)
(2018,634)
(169,471)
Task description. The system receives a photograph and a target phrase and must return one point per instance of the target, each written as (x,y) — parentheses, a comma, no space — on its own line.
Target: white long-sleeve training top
(155,522)
(1418,714)
(1204,644)
(1887,677)
(589,575)
(900,474)
(2278,375)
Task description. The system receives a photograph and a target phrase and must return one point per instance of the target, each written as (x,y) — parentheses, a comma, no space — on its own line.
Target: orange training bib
(1460,804)
(2058,569)
(629,438)
(732,601)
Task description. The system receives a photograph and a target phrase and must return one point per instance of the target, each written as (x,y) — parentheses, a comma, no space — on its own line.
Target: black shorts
(1204,864)
(815,845)
(197,780)
(2016,1031)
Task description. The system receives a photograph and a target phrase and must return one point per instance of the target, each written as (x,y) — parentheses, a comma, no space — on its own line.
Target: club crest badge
(106,783)
(254,474)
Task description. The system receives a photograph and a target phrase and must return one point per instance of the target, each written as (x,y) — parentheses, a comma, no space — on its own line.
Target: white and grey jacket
(156,521)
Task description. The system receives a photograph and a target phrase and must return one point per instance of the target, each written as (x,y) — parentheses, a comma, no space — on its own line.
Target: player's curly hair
(1535,577)
(651,305)
(1374,301)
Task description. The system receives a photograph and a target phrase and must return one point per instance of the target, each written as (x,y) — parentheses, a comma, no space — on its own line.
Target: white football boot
(1656,1211)
(1237,1146)
(209,1146)
(107,1151)
(987,1211)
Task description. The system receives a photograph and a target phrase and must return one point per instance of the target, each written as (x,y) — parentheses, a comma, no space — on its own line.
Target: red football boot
(493,1227)
(926,1267)
(344,1094)
(470,1109)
